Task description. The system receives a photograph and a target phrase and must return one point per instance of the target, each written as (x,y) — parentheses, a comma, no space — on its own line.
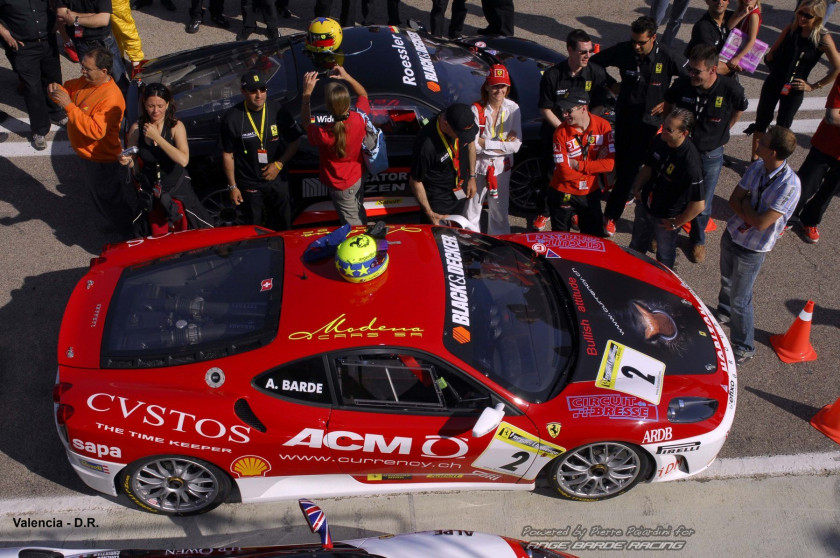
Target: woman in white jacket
(499,137)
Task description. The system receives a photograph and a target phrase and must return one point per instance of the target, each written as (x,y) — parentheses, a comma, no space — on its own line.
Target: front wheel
(175,485)
(598,471)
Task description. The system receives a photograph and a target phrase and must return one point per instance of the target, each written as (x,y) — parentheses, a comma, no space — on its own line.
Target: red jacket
(599,157)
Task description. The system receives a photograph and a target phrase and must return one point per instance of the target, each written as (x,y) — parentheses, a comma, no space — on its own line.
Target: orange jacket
(600,156)
(94,115)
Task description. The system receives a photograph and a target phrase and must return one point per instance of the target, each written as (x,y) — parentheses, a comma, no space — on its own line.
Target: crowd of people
(673,113)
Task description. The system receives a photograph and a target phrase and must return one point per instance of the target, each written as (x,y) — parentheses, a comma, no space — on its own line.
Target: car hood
(618,312)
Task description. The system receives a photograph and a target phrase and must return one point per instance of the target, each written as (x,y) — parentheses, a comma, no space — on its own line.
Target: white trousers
(497,208)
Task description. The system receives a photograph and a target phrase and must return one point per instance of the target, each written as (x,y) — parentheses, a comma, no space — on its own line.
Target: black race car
(409,76)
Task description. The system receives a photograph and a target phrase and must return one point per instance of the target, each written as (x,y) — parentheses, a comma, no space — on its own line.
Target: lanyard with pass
(453,156)
(262,154)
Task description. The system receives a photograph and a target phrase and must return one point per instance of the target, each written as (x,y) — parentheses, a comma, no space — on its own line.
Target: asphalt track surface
(50,230)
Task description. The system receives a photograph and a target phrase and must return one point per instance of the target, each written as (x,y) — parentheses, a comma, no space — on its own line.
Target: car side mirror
(490,419)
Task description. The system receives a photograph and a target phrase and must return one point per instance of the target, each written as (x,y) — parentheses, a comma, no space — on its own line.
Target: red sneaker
(812,235)
(609,227)
(540,223)
(575,221)
(70,51)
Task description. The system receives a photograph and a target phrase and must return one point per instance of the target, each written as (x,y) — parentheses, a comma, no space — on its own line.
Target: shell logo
(433,86)
(250,466)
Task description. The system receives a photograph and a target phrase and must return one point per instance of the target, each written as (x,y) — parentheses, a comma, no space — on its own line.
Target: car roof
(403,306)
(398,61)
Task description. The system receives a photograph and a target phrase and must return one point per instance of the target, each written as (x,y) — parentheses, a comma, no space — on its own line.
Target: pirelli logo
(678,448)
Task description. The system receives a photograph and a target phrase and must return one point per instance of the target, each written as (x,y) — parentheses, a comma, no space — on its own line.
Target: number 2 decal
(520,457)
(629,372)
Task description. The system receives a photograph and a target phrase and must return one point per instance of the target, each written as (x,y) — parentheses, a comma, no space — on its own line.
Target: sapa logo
(99,450)
(657,435)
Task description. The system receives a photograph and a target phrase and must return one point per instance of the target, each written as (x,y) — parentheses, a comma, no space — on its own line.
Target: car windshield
(196,305)
(506,315)
(211,82)
(458,70)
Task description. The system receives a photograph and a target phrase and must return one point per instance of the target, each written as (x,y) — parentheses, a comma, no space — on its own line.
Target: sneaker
(743,358)
(39,142)
(70,51)
(698,253)
(540,223)
(609,227)
(812,235)
(721,318)
(192,26)
(575,221)
(62,121)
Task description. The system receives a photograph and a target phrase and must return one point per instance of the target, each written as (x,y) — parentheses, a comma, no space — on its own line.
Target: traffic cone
(795,346)
(596,48)
(827,421)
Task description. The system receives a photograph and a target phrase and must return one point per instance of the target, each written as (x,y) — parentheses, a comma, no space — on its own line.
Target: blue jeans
(657,12)
(739,268)
(647,227)
(712,162)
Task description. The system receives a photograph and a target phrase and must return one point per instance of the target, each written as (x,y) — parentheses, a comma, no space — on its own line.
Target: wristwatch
(232,186)
(76,21)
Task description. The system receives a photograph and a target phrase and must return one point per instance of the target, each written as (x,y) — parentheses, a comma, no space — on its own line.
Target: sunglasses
(694,72)
(590,51)
(260,89)
(641,43)
(805,15)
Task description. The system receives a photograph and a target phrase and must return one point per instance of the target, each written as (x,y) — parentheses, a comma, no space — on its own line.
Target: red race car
(241,364)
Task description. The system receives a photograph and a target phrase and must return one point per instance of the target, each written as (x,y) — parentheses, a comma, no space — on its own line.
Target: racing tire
(526,180)
(221,210)
(175,485)
(598,471)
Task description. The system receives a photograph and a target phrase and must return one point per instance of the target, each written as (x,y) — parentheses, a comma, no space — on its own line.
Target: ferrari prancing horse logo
(553,429)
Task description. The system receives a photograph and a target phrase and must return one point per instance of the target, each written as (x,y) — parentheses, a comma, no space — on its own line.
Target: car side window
(400,380)
(304,380)
(397,116)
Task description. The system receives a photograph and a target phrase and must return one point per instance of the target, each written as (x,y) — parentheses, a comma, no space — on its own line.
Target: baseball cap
(462,120)
(252,80)
(498,75)
(574,97)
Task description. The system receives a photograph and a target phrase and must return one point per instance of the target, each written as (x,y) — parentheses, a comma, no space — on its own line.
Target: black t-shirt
(644,80)
(27,20)
(241,138)
(432,165)
(676,178)
(88,7)
(707,32)
(713,109)
(558,79)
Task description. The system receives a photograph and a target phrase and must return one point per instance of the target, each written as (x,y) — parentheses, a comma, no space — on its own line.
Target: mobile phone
(130,151)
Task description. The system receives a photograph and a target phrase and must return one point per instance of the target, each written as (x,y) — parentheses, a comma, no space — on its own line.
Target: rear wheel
(222,211)
(598,471)
(175,485)
(527,179)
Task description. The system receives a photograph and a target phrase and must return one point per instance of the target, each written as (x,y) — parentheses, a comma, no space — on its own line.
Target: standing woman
(499,137)
(791,59)
(339,143)
(747,20)
(163,152)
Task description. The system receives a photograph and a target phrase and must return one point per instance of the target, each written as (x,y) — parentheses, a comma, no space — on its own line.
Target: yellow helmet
(324,35)
(357,259)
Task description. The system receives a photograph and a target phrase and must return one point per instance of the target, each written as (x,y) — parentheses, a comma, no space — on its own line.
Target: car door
(291,402)
(407,416)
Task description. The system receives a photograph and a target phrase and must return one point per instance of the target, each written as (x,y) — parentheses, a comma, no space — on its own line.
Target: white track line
(804,464)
